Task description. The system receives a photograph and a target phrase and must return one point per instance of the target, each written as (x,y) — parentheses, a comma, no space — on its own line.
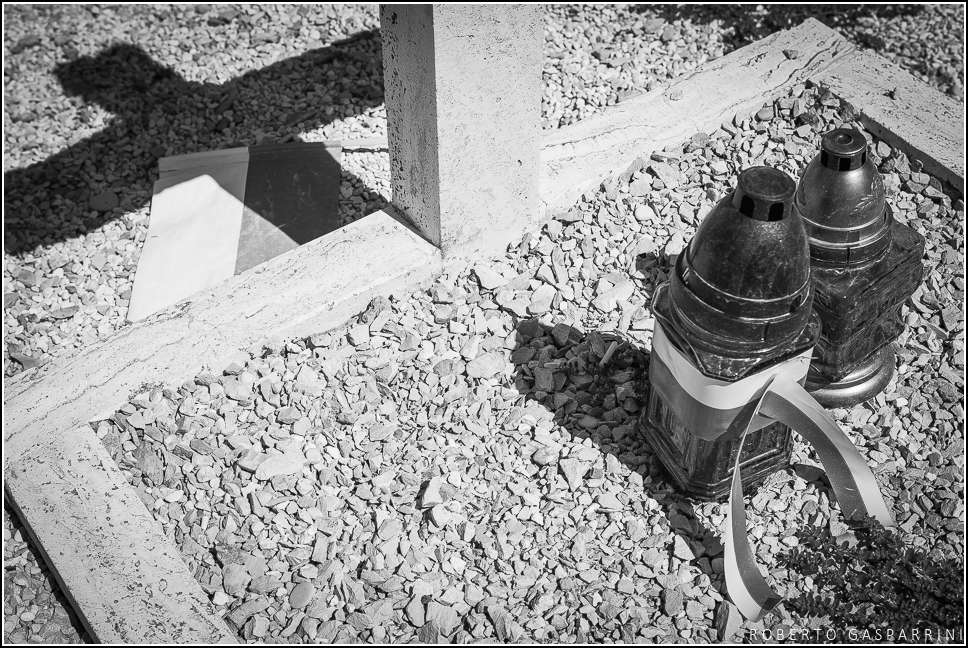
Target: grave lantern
(734,336)
(738,303)
(864,265)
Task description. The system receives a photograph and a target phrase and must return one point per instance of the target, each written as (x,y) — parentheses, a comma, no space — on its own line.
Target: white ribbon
(723,394)
(776,394)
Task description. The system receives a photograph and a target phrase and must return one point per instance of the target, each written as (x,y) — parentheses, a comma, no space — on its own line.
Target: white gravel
(81,141)
(464,463)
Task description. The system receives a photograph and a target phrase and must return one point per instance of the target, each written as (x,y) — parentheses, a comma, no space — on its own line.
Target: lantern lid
(745,276)
(752,245)
(764,193)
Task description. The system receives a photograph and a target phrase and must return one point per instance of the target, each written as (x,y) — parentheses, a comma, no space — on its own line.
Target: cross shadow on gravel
(157,113)
(595,384)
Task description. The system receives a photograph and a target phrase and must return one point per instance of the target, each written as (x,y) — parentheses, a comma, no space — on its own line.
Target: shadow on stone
(156,113)
(595,385)
(868,581)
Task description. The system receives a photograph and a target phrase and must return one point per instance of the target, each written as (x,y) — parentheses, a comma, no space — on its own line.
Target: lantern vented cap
(842,202)
(843,149)
(764,193)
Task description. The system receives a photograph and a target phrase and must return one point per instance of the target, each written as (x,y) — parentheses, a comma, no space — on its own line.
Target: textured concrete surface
(463,95)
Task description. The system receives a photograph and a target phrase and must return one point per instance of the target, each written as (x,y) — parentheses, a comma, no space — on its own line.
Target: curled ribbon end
(777,395)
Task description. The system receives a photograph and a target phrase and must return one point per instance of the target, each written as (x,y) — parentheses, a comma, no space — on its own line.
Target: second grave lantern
(738,303)
(864,265)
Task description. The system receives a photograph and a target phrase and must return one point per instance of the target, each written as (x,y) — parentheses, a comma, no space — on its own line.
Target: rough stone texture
(410,88)
(463,94)
(315,76)
(64,295)
(208,329)
(126,578)
(86,115)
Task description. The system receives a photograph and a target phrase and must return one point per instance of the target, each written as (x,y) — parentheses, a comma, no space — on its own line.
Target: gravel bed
(95,94)
(463,464)
(598,54)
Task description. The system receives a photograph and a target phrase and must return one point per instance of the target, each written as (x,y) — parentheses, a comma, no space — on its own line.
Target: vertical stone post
(463,95)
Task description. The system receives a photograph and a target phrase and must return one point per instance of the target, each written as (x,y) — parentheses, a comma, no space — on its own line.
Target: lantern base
(859,385)
(703,469)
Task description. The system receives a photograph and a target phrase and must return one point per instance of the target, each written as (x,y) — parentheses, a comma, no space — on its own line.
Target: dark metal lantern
(739,300)
(864,265)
